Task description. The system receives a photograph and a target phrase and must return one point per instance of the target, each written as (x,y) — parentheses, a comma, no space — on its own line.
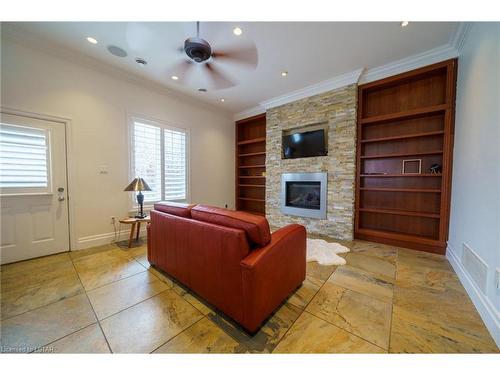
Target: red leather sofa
(229,258)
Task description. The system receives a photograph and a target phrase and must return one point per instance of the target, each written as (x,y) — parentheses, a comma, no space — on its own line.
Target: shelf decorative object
(412,166)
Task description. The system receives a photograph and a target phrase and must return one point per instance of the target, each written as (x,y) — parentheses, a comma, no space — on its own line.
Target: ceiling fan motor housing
(197,49)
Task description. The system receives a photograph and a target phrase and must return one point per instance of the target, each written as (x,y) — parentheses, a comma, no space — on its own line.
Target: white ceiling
(311,52)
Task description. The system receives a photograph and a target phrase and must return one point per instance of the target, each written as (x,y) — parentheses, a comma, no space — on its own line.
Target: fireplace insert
(304,194)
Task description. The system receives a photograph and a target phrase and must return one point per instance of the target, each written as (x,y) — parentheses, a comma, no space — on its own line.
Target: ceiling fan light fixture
(237,31)
(91,40)
(175,78)
(404,23)
(141,62)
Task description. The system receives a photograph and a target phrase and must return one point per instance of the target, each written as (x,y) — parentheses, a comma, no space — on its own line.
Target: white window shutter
(147,158)
(24,158)
(175,164)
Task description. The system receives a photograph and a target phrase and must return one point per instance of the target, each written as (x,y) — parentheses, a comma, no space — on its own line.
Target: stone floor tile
(112,298)
(302,296)
(363,282)
(375,265)
(200,304)
(202,337)
(34,329)
(267,337)
(25,294)
(319,271)
(146,326)
(310,334)
(416,332)
(87,340)
(103,268)
(364,316)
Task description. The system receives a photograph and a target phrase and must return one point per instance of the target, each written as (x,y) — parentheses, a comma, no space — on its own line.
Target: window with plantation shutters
(147,158)
(175,164)
(24,160)
(160,158)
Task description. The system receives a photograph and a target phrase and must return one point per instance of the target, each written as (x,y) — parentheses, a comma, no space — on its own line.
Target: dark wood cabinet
(408,117)
(251,164)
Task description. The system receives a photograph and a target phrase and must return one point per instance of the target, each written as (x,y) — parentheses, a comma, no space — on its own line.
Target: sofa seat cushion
(174,208)
(256,227)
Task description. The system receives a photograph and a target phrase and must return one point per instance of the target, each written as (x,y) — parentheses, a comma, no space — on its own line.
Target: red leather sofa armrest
(272,272)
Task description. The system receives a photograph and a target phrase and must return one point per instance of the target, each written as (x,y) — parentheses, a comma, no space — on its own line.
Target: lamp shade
(138,184)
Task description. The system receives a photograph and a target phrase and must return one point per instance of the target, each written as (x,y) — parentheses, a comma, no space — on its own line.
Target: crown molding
(254,111)
(418,60)
(459,37)
(447,51)
(18,35)
(318,88)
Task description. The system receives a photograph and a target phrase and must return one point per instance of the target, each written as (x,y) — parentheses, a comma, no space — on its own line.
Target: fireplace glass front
(303,194)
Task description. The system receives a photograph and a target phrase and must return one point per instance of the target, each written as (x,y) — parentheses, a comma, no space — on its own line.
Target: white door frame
(70,166)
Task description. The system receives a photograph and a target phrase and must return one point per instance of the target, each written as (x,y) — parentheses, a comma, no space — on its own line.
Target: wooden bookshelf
(408,116)
(251,164)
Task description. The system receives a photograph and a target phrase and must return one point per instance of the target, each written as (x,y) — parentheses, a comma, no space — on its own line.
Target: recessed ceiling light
(141,61)
(175,78)
(404,23)
(91,40)
(284,73)
(222,100)
(237,31)
(117,51)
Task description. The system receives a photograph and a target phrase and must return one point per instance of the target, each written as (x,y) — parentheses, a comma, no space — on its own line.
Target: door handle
(60,190)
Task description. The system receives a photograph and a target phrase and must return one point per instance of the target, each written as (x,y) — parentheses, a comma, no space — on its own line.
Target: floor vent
(475,267)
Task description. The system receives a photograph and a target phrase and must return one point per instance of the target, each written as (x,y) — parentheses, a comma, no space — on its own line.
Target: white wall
(98,105)
(475,201)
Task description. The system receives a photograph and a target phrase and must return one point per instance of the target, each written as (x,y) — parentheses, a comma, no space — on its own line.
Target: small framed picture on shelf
(412,166)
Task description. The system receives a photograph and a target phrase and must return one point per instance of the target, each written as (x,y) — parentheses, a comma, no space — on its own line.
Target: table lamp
(138,184)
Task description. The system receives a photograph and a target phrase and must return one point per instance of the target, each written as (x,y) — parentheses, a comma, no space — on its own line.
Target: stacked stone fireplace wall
(337,108)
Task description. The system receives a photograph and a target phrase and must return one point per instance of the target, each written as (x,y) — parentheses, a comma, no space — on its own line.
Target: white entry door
(33,188)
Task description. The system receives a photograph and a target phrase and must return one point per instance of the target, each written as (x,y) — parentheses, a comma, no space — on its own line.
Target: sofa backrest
(174,208)
(256,227)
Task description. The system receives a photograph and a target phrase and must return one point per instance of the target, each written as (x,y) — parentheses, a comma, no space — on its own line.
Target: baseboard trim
(105,238)
(488,312)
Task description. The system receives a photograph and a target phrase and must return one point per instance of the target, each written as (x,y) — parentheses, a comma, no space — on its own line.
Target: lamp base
(141,216)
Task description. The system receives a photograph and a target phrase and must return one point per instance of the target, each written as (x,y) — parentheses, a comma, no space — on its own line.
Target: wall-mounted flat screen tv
(304,144)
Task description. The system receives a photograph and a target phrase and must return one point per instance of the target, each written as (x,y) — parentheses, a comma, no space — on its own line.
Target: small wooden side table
(136,227)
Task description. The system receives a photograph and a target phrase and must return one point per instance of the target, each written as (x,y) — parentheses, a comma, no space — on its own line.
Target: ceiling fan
(198,51)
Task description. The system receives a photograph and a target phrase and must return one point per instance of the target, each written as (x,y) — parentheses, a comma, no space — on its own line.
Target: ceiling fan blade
(219,80)
(243,55)
(181,70)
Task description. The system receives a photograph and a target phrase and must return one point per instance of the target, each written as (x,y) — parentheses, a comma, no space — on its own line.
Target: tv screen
(303,145)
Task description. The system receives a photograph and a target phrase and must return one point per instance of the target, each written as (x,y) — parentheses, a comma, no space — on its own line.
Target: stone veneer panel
(338,109)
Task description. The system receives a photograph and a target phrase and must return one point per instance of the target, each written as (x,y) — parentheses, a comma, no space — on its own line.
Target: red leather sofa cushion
(174,208)
(256,227)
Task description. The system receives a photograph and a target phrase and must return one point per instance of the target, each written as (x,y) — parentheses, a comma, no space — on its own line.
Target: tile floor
(108,299)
